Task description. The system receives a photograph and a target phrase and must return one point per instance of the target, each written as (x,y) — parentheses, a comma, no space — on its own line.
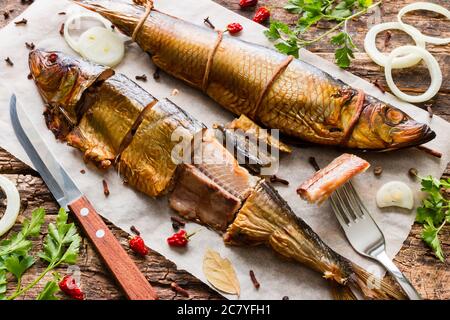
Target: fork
(364,234)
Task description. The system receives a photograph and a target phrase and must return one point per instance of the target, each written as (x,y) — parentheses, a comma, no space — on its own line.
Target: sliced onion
(379,58)
(74,44)
(97,44)
(12,205)
(429,7)
(102,46)
(432,64)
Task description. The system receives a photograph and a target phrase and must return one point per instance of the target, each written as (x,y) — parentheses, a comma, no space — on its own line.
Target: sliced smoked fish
(197,197)
(322,184)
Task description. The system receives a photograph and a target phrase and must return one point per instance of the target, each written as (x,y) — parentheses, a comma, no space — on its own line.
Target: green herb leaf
(344,53)
(295,6)
(62,243)
(433,212)
(3,284)
(18,243)
(430,236)
(18,265)
(48,293)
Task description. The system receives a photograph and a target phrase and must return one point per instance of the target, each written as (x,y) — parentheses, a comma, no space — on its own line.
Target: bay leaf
(220,273)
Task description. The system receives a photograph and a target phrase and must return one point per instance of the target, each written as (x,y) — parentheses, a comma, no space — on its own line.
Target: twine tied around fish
(148,8)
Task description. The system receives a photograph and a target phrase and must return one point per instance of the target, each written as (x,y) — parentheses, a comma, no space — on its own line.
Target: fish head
(384,127)
(62,79)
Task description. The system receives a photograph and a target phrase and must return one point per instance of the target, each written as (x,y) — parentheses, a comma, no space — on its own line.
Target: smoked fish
(274,90)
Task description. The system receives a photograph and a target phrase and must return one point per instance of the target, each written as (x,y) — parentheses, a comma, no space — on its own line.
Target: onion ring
(12,205)
(379,58)
(432,64)
(428,7)
(70,41)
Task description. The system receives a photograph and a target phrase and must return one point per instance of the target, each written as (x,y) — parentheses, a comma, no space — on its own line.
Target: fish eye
(394,116)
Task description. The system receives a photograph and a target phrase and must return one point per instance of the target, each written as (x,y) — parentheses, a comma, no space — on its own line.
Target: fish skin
(303,101)
(112,107)
(265,218)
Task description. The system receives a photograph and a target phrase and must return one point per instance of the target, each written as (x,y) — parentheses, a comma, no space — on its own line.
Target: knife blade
(67,194)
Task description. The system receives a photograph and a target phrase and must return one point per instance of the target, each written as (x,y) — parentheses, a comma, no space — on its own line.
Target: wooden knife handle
(127,274)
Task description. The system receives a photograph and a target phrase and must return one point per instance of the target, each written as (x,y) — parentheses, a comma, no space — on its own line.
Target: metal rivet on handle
(100,233)
(84,212)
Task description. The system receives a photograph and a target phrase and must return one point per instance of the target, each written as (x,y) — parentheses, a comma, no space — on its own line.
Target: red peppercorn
(247,3)
(69,286)
(261,15)
(52,57)
(137,244)
(234,27)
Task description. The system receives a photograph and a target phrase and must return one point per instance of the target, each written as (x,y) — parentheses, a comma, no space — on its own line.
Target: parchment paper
(124,207)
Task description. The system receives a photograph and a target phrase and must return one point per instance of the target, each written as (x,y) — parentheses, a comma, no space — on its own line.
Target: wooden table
(431,278)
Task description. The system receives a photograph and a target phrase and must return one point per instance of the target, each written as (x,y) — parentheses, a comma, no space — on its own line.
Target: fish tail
(373,287)
(341,292)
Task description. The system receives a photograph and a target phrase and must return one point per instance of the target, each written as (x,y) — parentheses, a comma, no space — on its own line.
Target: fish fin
(375,288)
(340,292)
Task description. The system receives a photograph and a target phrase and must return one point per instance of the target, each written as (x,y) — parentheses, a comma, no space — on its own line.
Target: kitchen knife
(125,271)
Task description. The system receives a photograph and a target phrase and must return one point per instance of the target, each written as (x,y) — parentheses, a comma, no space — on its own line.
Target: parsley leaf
(286,40)
(435,211)
(289,40)
(62,242)
(344,53)
(19,243)
(430,236)
(3,284)
(17,265)
(52,287)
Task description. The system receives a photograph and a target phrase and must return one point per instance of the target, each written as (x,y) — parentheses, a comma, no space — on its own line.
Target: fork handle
(398,276)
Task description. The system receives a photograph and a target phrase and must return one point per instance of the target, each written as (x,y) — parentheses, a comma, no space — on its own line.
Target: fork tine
(342,218)
(344,206)
(362,208)
(353,200)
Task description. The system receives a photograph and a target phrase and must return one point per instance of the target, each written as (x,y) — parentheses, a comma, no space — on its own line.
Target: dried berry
(248,3)
(137,244)
(261,15)
(378,170)
(234,28)
(69,286)
(21,22)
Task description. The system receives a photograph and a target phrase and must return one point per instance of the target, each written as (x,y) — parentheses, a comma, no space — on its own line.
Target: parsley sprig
(434,212)
(61,245)
(289,40)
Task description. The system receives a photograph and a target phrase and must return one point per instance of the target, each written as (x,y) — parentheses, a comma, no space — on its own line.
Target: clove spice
(105,188)
(6,15)
(208,23)
(175,287)
(135,230)
(9,62)
(21,22)
(254,280)
(387,39)
(61,30)
(275,179)
(62,13)
(432,152)
(312,161)
(412,172)
(30,46)
(180,222)
(142,78)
